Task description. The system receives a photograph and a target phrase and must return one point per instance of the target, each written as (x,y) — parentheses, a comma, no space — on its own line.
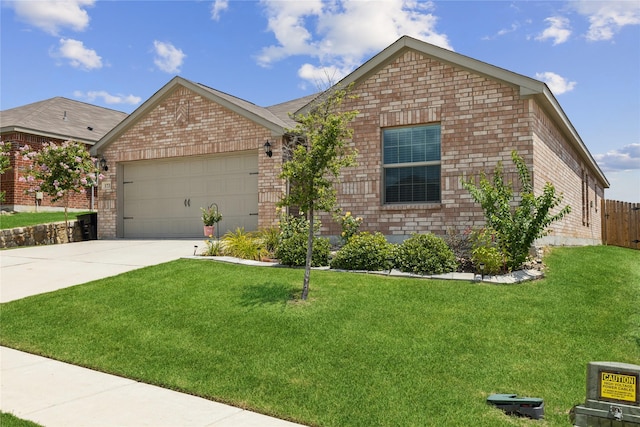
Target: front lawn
(25,219)
(365,350)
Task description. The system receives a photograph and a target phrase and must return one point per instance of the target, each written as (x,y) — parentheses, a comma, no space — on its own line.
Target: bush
(490,257)
(425,254)
(487,251)
(364,251)
(293,250)
(270,238)
(213,248)
(241,244)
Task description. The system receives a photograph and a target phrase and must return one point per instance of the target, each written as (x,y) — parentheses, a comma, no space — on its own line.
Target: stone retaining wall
(42,234)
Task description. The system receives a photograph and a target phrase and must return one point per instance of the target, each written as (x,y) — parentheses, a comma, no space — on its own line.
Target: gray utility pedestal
(613,396)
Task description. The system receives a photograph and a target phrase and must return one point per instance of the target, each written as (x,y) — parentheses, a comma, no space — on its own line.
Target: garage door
(162,198)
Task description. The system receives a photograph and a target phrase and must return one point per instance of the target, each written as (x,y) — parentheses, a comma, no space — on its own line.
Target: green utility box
(613,396)
(511,404)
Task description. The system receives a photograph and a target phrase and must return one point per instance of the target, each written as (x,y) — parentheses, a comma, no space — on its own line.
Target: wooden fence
(621,224)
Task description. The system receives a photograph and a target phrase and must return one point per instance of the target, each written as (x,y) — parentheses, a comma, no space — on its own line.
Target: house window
(411,161)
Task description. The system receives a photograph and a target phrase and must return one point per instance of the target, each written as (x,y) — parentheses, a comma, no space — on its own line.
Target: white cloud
(341,33)
(53,15)
(504,31)
(556,83)
(107,97)
(625,159)
(558,30)
(322,77)
(606,18)
(218,7)
(78,55)
(168,58)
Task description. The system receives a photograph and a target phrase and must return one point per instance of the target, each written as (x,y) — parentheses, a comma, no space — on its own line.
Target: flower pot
(208,230)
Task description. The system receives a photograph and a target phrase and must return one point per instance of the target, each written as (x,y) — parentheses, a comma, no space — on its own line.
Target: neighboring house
(427,118)
(53,120)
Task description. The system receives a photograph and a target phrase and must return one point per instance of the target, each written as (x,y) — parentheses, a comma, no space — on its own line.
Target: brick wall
(481,120)
(557,163)
(184,123)
(16,198)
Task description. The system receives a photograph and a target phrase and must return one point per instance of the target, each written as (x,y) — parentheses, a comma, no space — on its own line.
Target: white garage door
(162,198)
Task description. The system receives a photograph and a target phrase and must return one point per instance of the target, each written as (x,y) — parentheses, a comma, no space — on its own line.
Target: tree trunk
(307,268)
(66,217)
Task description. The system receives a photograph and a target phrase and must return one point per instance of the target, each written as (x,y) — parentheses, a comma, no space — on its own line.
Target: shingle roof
(284,109)
(276,118)
(61,118)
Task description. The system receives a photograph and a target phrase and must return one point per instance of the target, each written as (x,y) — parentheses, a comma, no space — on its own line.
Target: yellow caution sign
(618,386)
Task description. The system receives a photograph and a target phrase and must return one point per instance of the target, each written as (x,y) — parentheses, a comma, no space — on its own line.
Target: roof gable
(259,115)
(528,87)
(61,118)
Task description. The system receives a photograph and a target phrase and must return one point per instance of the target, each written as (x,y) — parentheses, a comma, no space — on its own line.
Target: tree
(59,170)
(318,153)
(516,227)
(5,162)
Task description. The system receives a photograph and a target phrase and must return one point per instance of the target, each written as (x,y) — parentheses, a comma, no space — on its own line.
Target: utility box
(511,404)
(88,226)
(613,396)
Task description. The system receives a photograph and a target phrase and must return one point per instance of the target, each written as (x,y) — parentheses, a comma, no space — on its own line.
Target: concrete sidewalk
(53,393)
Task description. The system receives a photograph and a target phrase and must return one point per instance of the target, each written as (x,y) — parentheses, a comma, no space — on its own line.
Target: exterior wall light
(267,149)
(103,164)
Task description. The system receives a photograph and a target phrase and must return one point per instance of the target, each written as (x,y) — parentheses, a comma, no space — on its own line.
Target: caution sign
(618,386)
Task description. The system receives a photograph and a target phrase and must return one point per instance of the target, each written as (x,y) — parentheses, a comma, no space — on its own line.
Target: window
(411,161)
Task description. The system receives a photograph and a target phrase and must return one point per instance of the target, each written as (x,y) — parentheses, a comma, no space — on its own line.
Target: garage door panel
(163,198)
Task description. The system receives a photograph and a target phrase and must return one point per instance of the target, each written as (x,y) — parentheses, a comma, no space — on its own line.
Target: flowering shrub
(60,169)
(350,225)
(211,215)
(5,162)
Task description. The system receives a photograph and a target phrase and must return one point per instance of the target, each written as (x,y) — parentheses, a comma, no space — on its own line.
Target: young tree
(59,170)
(319,152)
(516,227)
(5,162)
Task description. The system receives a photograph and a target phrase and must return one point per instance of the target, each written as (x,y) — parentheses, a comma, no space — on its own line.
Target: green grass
(366,350)
(10,420)
(24,219)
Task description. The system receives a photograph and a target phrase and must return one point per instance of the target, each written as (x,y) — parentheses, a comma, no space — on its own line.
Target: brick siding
(482,120)
(187,124)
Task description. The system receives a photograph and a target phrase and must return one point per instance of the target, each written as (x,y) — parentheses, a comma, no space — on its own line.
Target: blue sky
(119,53)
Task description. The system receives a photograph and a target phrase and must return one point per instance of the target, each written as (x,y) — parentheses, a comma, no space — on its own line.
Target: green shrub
(364,251)
(490,256)
(425,254)
(241,244)
(270,238)
(213,248)
(486,250)
(293,250)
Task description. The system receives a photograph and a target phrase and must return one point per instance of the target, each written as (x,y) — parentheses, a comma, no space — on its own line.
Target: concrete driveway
(38,269)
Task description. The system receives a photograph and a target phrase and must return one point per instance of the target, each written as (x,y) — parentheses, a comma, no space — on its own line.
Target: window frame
(406,165)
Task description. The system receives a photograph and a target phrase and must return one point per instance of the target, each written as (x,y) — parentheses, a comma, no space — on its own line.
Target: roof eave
(528,87)
(553,107)
(52,135)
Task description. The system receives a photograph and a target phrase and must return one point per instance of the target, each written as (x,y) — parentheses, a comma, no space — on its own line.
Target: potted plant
(210,217)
